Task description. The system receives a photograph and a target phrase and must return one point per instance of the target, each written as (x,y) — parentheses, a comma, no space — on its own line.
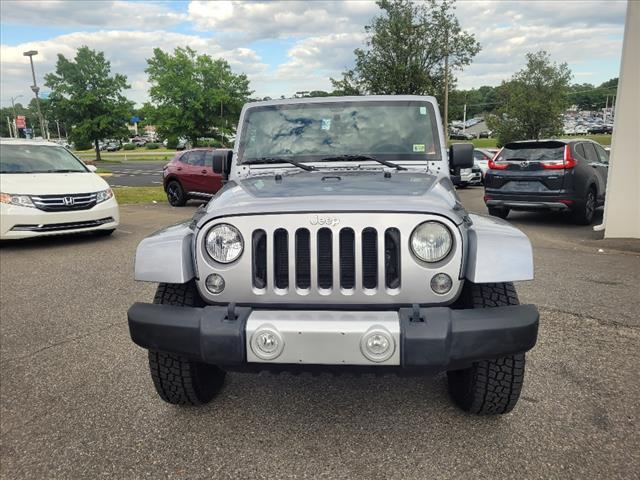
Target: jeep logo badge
(328,221)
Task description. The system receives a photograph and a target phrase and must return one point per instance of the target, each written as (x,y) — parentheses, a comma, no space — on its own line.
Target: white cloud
(260,20)
(325,35)
(126,50)
(96,13)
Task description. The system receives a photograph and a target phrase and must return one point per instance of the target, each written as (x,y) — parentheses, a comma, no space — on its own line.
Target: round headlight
(431,241)
(224,243)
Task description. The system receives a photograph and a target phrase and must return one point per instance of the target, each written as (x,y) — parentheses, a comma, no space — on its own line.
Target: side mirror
(92,168)
(461,155)
(222,161)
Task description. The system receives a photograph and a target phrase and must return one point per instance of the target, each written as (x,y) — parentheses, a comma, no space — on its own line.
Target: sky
(291,46)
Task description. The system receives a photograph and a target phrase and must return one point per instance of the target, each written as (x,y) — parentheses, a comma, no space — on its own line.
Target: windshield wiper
(59,171)
(365,157)
(308,168)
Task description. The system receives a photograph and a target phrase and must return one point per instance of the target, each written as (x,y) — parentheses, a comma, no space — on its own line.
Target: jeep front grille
(326,259)
(351,259)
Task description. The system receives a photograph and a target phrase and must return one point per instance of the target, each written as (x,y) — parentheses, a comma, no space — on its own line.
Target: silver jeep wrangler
(338,243)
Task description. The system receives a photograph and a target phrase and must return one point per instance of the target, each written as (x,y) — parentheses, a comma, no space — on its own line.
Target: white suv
(46,190)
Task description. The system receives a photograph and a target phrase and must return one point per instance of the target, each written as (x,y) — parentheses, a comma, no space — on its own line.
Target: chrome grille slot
(325,258)
(303,259)
(259,259)
(369,258)
(392,258)
(281,258)
(347,259)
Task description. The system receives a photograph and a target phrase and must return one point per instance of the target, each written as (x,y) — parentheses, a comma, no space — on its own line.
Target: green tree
(87,97)
(194,95)
(533,101)
(406,50)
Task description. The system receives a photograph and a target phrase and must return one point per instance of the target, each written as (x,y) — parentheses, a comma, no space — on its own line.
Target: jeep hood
(339,191)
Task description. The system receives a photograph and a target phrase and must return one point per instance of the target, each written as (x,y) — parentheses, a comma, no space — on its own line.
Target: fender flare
(166,256)
(498,252)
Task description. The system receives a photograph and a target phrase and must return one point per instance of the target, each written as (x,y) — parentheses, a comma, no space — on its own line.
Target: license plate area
(524,186)
(323,337)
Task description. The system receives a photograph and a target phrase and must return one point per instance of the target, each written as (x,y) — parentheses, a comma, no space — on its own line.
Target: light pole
(35,90)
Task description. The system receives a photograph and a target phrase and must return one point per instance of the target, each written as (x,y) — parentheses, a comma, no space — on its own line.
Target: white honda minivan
(46,190)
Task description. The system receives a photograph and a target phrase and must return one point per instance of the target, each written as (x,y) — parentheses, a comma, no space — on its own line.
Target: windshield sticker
(259,184)
(326,124)
(423,110)
(419,147)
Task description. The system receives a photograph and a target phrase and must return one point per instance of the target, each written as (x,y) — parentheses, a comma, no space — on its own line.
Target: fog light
(377,345)
(266,343)
(215,283)
(441,283)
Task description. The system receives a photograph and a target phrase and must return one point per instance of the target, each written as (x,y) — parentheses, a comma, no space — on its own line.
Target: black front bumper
(438,338)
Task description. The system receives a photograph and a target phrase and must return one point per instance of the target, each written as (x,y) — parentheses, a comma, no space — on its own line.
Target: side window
(208,158)
(197,158)
(602,154)
(184,158)
(580,151)
(592,157)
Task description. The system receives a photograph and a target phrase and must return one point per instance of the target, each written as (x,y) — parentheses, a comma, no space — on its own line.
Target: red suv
(190,175)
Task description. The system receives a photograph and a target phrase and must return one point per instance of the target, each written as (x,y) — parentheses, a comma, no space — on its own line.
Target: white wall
(622,207)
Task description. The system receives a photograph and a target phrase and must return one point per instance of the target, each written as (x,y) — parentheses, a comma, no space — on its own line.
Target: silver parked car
(338,243)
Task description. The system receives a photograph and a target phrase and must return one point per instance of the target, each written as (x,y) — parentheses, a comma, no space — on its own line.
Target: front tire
(177,379)
(499,212)
(488,387)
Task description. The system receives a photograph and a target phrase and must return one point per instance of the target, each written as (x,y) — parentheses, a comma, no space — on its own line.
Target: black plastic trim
(437,339)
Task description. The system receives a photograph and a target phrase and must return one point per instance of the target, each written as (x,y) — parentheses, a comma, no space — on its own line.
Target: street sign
(21,121)
(135,119)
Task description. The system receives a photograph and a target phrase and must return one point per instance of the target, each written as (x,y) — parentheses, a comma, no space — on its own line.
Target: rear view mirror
(461,155)
(92,168)
(222,161)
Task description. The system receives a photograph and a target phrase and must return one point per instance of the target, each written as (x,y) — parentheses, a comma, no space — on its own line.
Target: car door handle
(179,168)
(203,171)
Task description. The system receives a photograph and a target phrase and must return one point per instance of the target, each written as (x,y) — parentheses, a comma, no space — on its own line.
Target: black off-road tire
(488,387)
(584,213)
(179,380)
(499,212)
(175,194)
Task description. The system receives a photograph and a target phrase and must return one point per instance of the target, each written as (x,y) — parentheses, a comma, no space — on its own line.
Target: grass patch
(102,170)
(149,157)
(139,194)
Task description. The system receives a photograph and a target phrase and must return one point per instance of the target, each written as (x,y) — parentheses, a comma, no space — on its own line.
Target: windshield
(532,153)
(315,131)
(38,159)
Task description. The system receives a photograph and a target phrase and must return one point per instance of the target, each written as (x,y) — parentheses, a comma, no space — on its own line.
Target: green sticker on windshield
(423,110)
(419,147)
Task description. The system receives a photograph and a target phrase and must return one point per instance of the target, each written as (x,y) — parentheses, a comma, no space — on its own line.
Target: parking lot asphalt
(77,400)
(135,174)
